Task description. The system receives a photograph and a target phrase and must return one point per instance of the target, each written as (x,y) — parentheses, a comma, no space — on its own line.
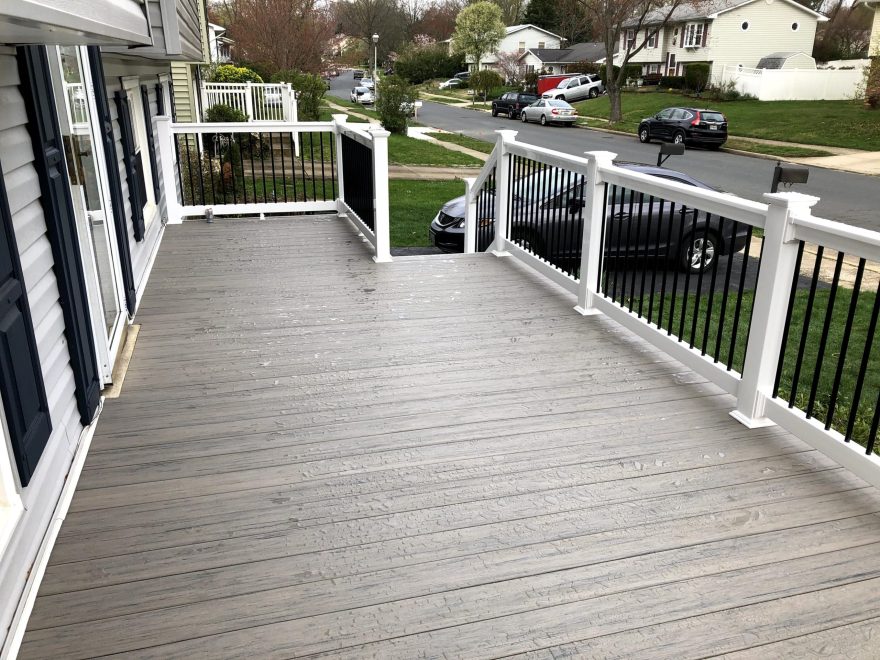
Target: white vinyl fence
(752,296)
(797,84)
(261,102)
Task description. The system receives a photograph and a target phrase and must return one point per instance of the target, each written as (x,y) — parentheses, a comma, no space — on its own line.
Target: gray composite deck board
(316,454)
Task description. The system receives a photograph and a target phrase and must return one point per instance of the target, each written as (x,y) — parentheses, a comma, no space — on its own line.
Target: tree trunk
(616,113)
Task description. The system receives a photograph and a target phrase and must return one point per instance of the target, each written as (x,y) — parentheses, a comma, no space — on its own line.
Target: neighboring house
(219,45)
(83,212)
(723,33)
(562,60)
(519,39)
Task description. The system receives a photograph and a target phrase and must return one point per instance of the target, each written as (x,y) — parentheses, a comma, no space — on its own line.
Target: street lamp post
(375,58)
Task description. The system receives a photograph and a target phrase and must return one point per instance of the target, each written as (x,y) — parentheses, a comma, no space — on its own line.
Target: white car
(577,88)
(361,95)
(368,83)
(452,83)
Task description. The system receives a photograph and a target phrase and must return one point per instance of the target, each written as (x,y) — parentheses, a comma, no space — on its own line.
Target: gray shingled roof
(689,12)
(588,51)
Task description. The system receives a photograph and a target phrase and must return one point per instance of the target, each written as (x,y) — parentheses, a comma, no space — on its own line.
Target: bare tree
(509,65)
(278,34)
(364,18)
(511,10)
(641,19)
(438,19)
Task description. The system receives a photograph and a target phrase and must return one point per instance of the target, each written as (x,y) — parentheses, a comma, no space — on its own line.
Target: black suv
(358,74)
(686,126)
(512,103)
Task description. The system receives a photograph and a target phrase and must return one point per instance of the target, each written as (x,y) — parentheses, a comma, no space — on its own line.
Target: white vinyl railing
(761,307)
(216,169)
(260,102)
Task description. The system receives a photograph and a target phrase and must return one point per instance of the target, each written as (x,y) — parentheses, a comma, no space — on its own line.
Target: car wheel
(678,138)
(494,111)
(644,134)
(511,114)
(522,116)
(528,241)
(698,252)
(543,120)
(593,93)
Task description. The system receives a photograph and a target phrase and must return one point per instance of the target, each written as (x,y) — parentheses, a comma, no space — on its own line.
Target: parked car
(511,103)
(361,95)
(368,83)
(557,208)
(358,74)
(464,75)
(685,126)
(452,83)
(549,111)
(576,89)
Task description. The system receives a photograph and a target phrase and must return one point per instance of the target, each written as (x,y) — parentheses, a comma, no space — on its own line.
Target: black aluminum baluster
(323,172)
(844,342)
(283,166)
(710,302)
(823,339)
(739,298)
(699,295)
(683,214)
(645,257)
(666,265)
(656,259)
(863,368)
(302,166)
(724,298)
(312,157)
(805,330)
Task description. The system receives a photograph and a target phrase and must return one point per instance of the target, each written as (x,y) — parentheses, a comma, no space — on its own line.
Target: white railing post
(338,127)
(591,247)
(294,116)
(381,216)
(204,93)
(470,216)
(502,177)
(249,101)
(165,141)
(770,306)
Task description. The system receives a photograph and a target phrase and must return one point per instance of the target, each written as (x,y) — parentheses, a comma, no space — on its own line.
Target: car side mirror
(575,204)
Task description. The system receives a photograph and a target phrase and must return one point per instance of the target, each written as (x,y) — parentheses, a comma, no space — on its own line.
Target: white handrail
(245,127)
(854,241)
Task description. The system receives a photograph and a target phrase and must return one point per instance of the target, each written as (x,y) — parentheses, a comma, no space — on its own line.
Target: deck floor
(316,454)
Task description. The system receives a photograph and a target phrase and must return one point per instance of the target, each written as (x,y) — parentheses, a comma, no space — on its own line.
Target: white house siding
(769,32)
(23,189)
(182,83)
(726,43)
(142,252)
(533,38)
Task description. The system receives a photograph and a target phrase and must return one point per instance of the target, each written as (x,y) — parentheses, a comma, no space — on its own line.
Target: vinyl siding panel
(769,32)
(182,83)
(41,495)
(189,23)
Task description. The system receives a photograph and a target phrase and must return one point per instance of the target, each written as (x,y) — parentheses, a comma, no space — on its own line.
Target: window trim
(693,35)
(131,85)
(652,38)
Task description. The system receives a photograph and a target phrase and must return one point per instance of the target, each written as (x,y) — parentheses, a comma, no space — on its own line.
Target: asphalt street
(844,196)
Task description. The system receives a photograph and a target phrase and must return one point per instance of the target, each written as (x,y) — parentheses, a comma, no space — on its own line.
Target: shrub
(872,84)
(484,81)
(672,82)
(530,82)
(394,99)
(310,90)
(229,73)
(418,64)
(224,113)
(696,76)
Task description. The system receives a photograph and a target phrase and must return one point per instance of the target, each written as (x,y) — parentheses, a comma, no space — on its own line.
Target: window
(137,151)
(630,39)
(522,47)
(795,27)
(541,44)
(652,39)
(745,26)
(693,35)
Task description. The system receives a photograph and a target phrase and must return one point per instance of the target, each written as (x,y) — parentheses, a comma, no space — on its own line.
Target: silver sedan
(549,111)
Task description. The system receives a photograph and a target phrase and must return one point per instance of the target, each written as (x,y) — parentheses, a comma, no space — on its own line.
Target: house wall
(23,188)
(176,31)
(532,37)
(727,44)
(182,83)
(769,32)
(42,495)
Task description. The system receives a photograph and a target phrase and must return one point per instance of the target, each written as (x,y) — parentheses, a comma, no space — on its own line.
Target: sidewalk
(860,162)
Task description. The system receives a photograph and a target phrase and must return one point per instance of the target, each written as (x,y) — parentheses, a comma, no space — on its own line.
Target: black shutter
(21,379)
(151,143)
(60,217)
(118,205)
(160,100)
(173,103)
(133,166)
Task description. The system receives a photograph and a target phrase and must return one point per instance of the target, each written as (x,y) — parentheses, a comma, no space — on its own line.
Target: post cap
(794,201)
(378,131)
(600,156)
(507,134)
(340,118)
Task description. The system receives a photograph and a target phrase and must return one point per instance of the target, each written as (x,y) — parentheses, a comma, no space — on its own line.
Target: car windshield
(712,116)
(558,104)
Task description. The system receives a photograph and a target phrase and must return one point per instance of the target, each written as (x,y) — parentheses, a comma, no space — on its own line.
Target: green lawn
(832,123)
(464,141)
(404,150)
(775,150)
(414,204)
(852,361)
